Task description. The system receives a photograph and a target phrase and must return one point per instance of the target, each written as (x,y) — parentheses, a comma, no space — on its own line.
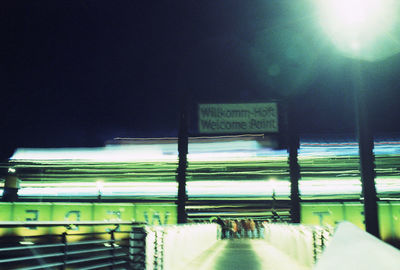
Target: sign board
(238,118)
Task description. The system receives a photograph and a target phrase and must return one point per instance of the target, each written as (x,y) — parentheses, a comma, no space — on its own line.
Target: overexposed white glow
(199,189)
(144,152)
(26,243)
(168,189)
(99,185)
(330,187)
(211,151)
(354,14)
(215,189)
(238,188)
(387,185)
(364,29)
(138,153)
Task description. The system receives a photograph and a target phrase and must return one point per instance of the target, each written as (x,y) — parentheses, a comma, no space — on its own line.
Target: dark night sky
(77,73)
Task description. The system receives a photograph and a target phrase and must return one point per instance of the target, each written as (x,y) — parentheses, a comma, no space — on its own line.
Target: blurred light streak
(324,173)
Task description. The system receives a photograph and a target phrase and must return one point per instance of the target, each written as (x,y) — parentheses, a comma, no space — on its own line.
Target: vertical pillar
(181,172)
(112,251)
(64,250)
(366,146)
(294,169)
(11,186)
(137,247)
(293,144)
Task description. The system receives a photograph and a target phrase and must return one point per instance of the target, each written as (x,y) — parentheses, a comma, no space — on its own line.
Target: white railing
(174,246)
(300,242)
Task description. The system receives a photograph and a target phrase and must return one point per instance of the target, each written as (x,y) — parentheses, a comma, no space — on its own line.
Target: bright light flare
(355,14)
(363,29)
(100,185)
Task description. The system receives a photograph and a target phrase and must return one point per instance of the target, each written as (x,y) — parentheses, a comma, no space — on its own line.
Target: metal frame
(110,248)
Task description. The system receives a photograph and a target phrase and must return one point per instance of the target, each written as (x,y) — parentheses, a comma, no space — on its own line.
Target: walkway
(249,254)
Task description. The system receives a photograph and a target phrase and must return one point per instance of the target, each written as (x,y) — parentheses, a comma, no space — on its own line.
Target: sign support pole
(294,167)
(11,187)
(367,165)
(181,171)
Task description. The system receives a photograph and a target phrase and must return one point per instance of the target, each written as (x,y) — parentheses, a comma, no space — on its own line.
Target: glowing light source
(363,29)
(26,243)
(109,153)
(100,185)
(216,189)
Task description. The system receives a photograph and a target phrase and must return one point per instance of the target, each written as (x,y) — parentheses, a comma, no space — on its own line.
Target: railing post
(156,250)
(322,240)
(137,248)
(314,238)
(162,250)
(65,250)
(112,241)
